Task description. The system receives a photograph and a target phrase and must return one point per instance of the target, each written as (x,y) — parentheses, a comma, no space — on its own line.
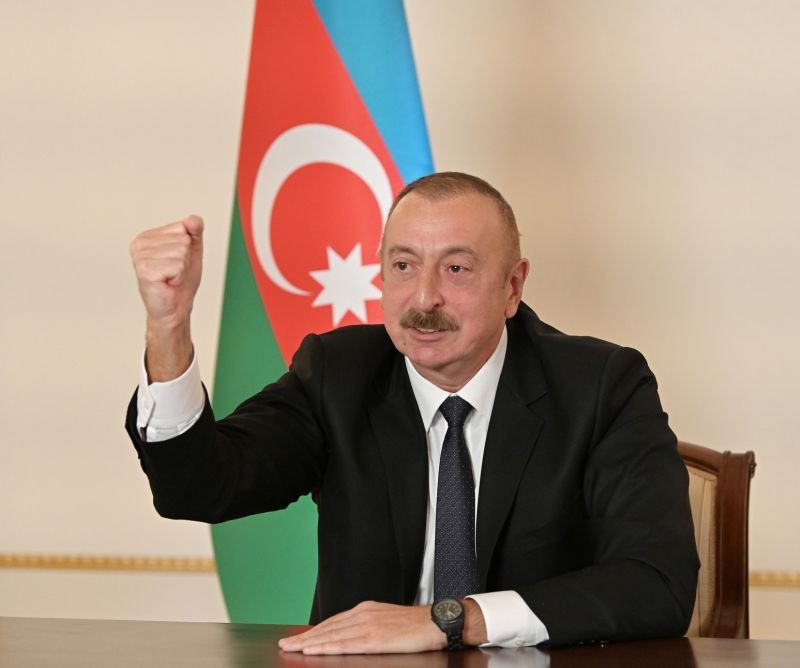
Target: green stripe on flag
(267,563)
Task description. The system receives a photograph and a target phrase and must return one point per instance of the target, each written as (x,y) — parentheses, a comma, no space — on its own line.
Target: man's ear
(516,282)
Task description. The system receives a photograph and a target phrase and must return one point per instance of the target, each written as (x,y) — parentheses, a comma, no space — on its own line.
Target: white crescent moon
(297,147)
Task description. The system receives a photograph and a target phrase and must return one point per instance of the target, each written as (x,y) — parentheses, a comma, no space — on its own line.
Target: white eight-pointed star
(346,284)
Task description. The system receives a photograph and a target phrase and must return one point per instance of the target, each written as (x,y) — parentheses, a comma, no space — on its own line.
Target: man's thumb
(194,226)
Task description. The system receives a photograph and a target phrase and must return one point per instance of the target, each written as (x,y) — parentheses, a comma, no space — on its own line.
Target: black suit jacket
(583,505)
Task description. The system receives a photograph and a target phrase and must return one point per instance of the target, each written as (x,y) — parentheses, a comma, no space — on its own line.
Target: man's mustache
(435,320)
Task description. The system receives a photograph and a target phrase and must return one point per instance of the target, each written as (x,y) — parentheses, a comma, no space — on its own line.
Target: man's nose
(429,295)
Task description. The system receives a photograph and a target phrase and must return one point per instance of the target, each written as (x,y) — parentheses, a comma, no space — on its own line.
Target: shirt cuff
(509,620)
(166,410)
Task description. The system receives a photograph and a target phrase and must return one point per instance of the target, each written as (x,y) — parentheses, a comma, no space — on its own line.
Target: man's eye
(456,269)
(402,266)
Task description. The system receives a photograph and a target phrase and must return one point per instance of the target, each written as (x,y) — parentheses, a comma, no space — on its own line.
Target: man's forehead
(468,223)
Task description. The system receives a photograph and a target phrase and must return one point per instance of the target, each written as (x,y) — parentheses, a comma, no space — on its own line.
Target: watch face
(447,610)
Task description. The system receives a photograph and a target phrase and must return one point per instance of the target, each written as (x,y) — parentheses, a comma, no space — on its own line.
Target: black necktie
(455,568)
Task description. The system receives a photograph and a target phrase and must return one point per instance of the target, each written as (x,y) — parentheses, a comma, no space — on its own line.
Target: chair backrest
(719,493)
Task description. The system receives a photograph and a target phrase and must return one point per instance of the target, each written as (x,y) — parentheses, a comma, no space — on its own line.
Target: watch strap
(455,640)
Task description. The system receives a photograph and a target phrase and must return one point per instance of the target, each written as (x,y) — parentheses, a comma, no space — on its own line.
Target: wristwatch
(448,615)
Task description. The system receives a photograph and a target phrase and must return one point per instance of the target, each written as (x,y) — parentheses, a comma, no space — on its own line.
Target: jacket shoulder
(556,343)
(355,346)
(578,365)
(346,355)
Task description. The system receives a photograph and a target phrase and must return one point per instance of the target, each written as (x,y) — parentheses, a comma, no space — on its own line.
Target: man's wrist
(439,637)
(509,620)
(169,352)
(474,623)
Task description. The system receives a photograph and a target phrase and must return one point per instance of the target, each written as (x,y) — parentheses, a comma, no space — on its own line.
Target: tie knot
(455,410)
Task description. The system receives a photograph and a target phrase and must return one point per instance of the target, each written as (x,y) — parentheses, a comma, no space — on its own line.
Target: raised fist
(169,262)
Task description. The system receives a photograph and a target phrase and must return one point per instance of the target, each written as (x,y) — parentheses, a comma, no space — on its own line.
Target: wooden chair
(719,494)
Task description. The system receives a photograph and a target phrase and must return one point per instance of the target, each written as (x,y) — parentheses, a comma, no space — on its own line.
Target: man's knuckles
(368,605)
(164,243)
(172,246)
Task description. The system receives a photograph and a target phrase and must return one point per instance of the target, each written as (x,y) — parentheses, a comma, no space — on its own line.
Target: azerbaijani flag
(333,128)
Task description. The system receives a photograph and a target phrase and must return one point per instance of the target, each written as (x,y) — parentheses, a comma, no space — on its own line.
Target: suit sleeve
(268,453)
(638,530)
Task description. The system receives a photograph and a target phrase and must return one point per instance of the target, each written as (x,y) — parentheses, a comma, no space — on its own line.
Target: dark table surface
(75,642)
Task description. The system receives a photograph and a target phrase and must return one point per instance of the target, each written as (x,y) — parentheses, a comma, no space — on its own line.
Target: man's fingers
(369,628)
(154,252)
(161,270)
(338,624)
(190,230)
(353,640)
(150,244)
(303,642)
(329,629)
(356,645)
(173,245)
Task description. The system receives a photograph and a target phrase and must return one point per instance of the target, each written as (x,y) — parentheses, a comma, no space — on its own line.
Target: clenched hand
(168,261)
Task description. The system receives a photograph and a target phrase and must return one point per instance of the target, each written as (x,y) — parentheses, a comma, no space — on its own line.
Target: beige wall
(651,150)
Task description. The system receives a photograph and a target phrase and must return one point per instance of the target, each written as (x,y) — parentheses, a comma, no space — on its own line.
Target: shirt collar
(479,391)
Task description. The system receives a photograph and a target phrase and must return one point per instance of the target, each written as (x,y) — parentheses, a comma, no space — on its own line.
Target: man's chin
(428,356)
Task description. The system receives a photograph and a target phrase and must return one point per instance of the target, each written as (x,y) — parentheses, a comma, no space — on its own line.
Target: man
(549,492)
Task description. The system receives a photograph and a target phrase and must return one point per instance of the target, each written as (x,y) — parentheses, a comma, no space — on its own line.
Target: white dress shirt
(166,410)
(509,620)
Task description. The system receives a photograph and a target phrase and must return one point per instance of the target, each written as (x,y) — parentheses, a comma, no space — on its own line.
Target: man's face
(448,284)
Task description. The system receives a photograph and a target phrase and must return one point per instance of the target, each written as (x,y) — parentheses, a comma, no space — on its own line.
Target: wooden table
(66,643)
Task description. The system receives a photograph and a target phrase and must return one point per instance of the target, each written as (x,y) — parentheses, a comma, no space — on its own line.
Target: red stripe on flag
(296,77)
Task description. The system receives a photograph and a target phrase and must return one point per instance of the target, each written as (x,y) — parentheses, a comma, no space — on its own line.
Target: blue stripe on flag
(372,40)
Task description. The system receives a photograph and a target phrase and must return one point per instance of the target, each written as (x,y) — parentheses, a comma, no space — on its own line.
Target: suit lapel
(395,419)
(513,432)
